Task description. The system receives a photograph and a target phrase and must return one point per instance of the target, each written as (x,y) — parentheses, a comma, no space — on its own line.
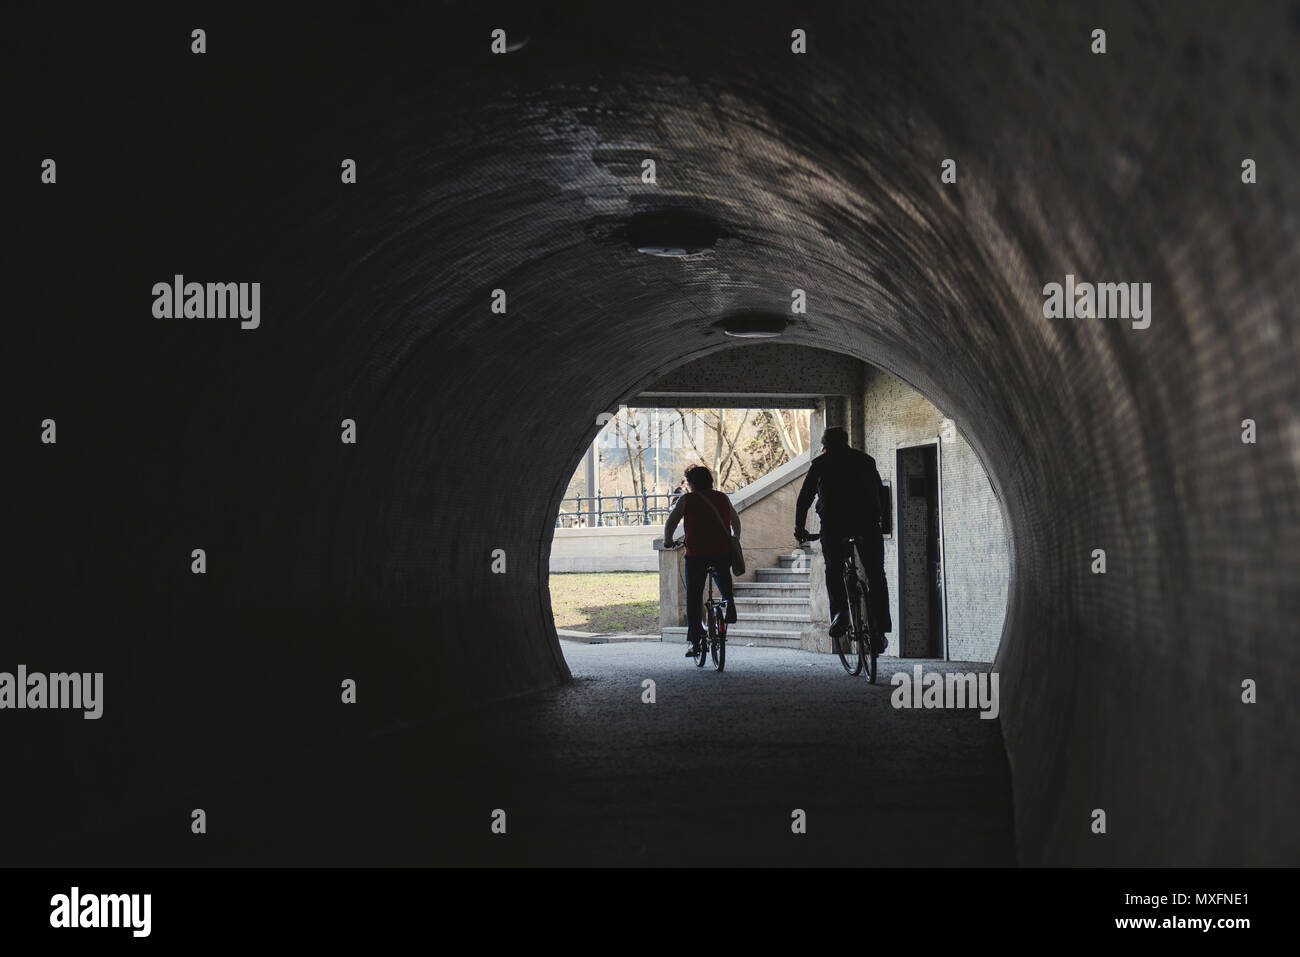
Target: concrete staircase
(772,610)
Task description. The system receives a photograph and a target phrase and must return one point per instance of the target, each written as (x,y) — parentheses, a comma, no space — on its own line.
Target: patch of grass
(606,601)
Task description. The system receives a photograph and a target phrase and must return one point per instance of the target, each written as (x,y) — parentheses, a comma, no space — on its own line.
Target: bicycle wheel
(702,652)
(849,646)
(870,653)
(718,642)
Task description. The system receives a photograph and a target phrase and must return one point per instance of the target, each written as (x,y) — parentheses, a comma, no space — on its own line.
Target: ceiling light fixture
(674,233)
(753,325)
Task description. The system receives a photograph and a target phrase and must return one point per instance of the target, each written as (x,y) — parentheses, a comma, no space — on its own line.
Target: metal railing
(612,510)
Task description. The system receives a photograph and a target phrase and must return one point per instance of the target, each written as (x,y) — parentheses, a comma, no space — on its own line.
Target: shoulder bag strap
(726,526)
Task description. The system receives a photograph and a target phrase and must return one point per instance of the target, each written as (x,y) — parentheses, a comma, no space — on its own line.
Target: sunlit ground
(603,602)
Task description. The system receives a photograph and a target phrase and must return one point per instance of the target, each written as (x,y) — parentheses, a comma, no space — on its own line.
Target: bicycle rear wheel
(870,653)
(718,640)
(850,646)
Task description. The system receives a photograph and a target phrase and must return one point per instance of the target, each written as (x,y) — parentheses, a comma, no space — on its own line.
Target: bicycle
(857,647)
(716,615)
(714,643)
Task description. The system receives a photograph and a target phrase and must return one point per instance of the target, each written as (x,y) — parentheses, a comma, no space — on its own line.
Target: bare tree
(723,466)
(791,437)
(629,432)
(739,446)
(725,441)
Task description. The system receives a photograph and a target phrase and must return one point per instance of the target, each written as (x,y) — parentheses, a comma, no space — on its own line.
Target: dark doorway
(920,561)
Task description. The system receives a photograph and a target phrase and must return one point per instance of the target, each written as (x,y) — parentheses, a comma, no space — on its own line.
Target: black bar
(337,907)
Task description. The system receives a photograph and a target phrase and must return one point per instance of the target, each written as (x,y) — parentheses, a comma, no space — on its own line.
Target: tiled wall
(765,367)
(975,547)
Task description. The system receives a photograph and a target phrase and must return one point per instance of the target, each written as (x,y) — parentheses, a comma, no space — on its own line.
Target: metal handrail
(604,511)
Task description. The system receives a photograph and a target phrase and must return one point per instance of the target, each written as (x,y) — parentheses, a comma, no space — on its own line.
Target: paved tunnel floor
(709,774)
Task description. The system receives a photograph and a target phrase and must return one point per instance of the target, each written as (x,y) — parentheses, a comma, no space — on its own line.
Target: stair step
(739,631)
(781,575)
(773,614)
(772,606)
(773,610)
(742,637)
(786,590)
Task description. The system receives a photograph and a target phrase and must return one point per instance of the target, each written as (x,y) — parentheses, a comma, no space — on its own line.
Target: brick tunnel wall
(763,368)
(374,561)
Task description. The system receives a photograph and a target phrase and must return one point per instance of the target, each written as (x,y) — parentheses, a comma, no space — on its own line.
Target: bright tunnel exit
(754,415)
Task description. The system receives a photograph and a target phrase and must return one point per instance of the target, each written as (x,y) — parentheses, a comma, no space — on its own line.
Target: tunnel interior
(476,172)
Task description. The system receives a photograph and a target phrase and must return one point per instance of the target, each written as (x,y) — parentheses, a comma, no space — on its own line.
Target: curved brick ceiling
(820,172)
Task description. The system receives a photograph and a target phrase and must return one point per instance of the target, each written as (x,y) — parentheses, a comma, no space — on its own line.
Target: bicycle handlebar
(813,538)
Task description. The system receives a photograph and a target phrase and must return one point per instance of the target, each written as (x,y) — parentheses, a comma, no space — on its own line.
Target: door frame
(942,584)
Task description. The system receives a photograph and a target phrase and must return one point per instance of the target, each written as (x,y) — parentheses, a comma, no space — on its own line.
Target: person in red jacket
(710,521)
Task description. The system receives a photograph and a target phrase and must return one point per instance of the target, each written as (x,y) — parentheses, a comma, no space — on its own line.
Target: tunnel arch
(627,395)
(1119,691)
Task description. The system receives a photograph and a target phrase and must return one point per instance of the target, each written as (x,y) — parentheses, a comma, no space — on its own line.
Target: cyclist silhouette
(850,502)
(710,520)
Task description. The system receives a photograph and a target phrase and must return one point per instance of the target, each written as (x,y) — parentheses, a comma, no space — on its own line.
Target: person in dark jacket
(851,501)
